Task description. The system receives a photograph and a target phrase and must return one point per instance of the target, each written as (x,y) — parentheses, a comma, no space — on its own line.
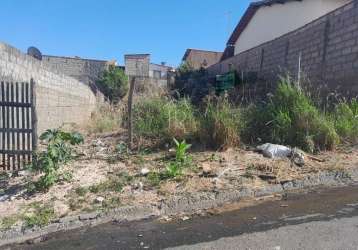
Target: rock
(185,218)
(99,199)
(4,197)
(207,170)
(298,157)
(23,173)
(144,171)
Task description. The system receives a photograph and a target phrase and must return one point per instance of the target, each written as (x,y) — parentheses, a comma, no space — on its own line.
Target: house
(267,20)
(139,65)
(201,58)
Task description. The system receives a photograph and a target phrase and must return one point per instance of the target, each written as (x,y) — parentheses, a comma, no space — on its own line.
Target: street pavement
(321,219)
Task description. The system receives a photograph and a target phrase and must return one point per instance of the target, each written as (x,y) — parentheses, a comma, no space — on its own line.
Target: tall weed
(163,119)
(220,124)
(345,118)
(291,118)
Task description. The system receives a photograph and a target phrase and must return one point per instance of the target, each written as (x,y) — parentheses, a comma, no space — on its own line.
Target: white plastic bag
(274,151)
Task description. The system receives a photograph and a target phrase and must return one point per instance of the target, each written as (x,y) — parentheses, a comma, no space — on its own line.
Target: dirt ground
(103,177)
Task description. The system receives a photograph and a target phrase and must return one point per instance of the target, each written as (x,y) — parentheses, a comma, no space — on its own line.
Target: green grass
(165,119)
(290,118)
(8,222)
(345,119)
(38,215)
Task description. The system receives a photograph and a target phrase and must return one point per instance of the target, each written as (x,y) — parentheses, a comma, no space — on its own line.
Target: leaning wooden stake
(130,114)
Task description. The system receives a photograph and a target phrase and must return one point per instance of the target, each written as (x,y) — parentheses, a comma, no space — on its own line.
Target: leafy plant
(181,155)
(40,216)
(172,170)
(113,83)
(58,151)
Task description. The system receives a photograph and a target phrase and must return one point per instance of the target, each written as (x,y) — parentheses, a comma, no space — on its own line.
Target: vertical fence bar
(12,142)
(23,122)
(28,122)
(17,125)
(7,125)
(33,117)
(3,125)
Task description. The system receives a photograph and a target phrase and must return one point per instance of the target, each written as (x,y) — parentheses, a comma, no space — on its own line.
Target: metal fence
(18,122)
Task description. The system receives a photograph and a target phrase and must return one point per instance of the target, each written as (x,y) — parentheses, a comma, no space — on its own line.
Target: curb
(176,205)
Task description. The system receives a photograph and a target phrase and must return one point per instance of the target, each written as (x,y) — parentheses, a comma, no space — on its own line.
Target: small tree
(113,83)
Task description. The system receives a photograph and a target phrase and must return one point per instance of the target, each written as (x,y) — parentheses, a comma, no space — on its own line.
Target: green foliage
(220,124)
(8,222)
(345,118)
(290,118)
(174,168)
(164,119)
(58,152)
(40,216)
(113,83)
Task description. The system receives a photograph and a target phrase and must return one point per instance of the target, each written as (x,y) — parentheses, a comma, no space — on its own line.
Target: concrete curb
(175,205)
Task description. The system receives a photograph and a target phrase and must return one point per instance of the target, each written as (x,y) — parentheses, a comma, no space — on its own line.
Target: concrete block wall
(329,54)
(60,98)
(84,70)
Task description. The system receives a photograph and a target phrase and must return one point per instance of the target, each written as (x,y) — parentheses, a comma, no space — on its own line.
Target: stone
(99,199)
(4,198)
(144,171)
(23,173)
(207,170)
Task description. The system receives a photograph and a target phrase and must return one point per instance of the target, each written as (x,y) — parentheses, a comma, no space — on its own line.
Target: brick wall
(60,98)
(329,54)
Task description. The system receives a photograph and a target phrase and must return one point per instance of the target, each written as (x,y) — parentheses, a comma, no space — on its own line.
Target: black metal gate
(18,137)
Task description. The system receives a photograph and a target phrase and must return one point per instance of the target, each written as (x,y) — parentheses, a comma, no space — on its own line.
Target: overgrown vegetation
(290,118)
(220,124)
(113,83)
(164,119)
(345,118)
(58,151)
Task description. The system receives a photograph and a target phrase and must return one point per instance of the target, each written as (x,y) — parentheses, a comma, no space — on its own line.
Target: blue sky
(108,29)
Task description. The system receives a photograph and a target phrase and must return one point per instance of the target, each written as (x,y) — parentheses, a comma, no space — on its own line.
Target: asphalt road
(323,219)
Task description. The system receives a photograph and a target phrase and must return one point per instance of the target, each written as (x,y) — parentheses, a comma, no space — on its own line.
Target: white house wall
(273,21)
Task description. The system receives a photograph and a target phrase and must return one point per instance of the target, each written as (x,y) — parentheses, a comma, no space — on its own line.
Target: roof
(249,14)
(199,51)
(136,55)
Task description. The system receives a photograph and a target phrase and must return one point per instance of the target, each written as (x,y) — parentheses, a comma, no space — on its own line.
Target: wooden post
(130,113)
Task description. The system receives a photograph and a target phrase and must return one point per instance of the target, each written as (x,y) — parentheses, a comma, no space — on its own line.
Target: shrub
(220,124)
(290,118)
(58,151)
(113,83)
(164,119)
(345,118)
(107,118)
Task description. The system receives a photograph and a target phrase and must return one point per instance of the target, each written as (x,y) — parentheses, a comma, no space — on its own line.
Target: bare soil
(99,162)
